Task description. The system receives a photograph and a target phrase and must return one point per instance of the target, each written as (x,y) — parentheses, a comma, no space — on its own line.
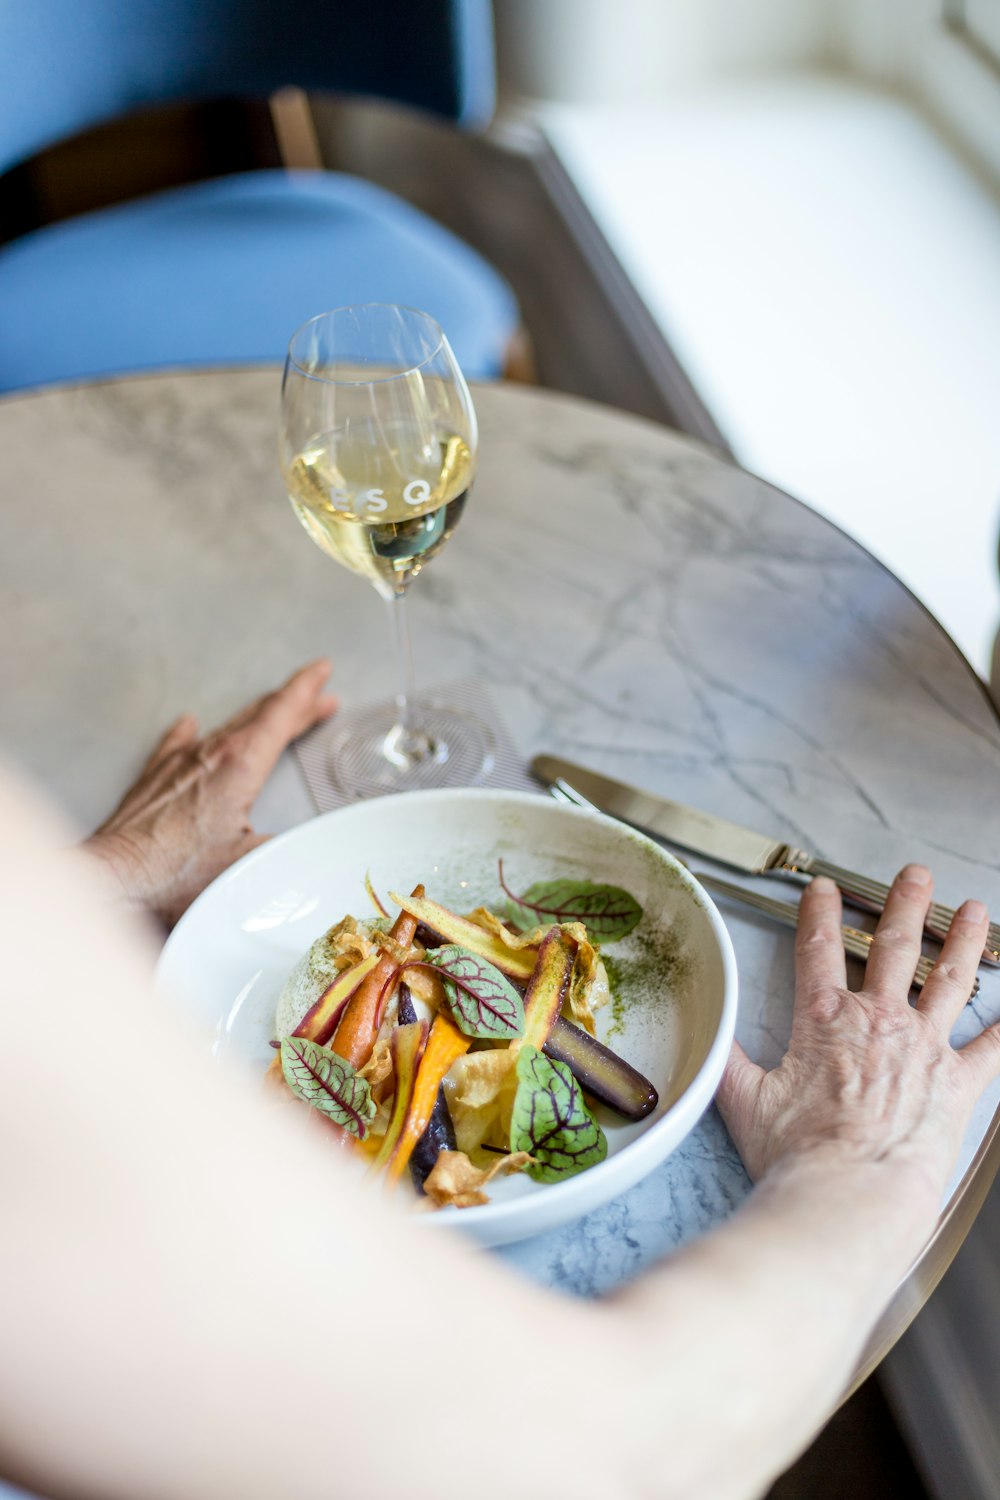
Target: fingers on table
(283,715)
(896,941)
(982,1058)
(181,735)
(948,989)
(820,964)
(738,1089)
(265,727)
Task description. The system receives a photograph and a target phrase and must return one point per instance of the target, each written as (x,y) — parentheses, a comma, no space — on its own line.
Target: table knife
(728,843)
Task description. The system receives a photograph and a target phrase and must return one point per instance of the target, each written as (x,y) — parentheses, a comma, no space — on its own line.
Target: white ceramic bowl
(676,1010)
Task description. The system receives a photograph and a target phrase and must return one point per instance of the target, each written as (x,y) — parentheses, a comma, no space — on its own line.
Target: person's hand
(188,816)
(867,1076)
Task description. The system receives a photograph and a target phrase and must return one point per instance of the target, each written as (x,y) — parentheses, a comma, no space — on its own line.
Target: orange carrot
(444,1045)
(355,1036)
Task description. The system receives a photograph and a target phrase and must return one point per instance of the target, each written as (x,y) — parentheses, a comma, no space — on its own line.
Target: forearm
(196,1298)
(261,1335)
(117,880)
(183,1274)
(749,1337)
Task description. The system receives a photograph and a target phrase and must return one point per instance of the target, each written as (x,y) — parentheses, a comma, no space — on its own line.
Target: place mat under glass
(314,751)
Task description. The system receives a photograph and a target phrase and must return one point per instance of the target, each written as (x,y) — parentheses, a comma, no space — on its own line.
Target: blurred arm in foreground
(197,1300)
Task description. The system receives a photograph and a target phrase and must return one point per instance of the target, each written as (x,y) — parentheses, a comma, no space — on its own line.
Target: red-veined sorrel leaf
(327,1083)
(482,1002)
(551,1121)
(607,911)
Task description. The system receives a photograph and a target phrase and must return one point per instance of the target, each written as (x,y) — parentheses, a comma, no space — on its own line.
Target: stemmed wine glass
(378,452)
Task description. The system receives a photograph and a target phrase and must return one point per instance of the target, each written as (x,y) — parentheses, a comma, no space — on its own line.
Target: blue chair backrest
(69,64)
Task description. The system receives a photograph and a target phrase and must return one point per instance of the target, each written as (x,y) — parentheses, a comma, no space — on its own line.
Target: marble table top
(633,602)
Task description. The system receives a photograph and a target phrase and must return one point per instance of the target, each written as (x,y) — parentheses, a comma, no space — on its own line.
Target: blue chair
(222,272)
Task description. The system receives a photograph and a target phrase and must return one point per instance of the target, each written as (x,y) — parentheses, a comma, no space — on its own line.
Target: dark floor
(859,1455)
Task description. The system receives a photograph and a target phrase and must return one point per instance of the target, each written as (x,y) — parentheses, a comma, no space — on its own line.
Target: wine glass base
(370,756)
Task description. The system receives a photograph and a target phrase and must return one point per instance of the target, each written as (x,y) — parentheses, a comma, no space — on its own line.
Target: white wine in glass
(378,452)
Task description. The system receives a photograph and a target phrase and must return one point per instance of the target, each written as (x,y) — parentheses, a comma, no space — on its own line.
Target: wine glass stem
(407,743)
(404,661)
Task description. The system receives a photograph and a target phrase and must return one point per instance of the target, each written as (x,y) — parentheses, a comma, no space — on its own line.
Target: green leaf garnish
(328,1083)
(551,1121)
(607,911)
(482,1001)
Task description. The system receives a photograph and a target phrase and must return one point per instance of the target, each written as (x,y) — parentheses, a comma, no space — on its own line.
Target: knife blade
(729,843)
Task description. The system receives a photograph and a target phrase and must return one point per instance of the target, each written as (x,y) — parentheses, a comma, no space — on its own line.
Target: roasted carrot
(444,1045)
(407,1045)
(355,1036)
(320,1019)
(516,963)
(547,986)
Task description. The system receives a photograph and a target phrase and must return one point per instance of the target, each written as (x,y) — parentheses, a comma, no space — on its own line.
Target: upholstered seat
(223,271)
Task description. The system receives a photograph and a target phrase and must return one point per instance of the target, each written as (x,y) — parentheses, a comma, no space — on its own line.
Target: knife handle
(871,896)
(858,945)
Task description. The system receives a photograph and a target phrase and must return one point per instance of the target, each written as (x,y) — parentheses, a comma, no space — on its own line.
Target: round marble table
(632,601)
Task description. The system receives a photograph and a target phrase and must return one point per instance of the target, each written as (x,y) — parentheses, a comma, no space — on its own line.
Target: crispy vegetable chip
(400,953)
(454,1182)
(426,986)
(378,1067)
(480,1090)
(483,917)
(347,942)
(588,986)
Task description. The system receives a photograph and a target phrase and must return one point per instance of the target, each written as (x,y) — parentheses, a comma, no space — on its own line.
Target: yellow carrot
(407,1045)
(515,962)
(444,1045)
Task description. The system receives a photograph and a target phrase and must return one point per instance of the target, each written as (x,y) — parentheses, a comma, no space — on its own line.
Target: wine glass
(378,453)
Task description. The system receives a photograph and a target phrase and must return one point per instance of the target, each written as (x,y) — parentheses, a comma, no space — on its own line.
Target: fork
(856,942)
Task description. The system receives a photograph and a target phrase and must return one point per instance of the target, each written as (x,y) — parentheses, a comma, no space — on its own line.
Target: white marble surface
(632,601)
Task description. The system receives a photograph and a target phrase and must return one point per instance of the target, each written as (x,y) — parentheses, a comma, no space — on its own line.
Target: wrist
(121,881)
(125,876)
(894,1198)
(893,1167)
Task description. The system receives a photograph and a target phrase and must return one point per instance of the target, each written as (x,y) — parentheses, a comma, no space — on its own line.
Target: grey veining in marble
(632,601)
